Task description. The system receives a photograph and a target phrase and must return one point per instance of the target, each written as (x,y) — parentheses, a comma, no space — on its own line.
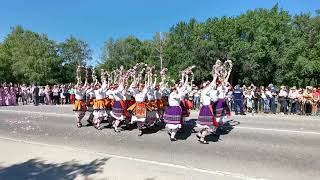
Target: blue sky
(95,21)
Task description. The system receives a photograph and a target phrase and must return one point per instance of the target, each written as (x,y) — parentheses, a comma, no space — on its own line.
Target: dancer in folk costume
(79,106)
(139,92)
(118,105)
(152,107)
(185,106)
(99,111)
(206,119)
(160,94)
(91,97)
(173,113)
(160,102)
(223,71)
(139,109)
(129,101)
(109,100)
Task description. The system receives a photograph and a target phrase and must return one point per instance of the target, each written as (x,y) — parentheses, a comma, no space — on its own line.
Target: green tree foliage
(29,57)
(266,46)
(73,52)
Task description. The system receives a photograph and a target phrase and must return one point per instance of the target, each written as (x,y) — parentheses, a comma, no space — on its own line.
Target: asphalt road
(251,147)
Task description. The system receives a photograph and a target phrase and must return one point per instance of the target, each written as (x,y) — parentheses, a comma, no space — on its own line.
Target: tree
(73,52)
(29,57)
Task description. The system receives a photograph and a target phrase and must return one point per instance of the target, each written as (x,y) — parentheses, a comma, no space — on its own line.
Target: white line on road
(278,130)
(220,173)
(39,113)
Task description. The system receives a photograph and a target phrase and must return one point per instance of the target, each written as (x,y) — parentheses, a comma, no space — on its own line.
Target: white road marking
(278,130)
(39,113)
(220,173)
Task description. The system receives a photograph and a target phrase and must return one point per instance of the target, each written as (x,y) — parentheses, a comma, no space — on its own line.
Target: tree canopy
(265,45)
(29,57)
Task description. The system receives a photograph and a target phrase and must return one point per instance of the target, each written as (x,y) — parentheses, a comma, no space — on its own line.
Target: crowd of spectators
(12,94)
(241,100)
(267,100)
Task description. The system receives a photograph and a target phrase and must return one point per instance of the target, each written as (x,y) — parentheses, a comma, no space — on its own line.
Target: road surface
(44,143)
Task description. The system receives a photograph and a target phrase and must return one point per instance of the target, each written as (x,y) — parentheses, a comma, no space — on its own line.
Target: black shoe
(89,122)
(79,125)
(203,142)
(140,133)
(116,130)
(173,139)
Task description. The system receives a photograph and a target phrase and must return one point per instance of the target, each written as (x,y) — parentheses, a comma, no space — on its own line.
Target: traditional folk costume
(222,110)
(13,94)
(118,107)
(173,114)
(108,101)
(2,96)
(90,100)
(161,102)
(99,111)
(152,108)
(47,93)
(79,106)
(206,119)
(139,109)
(7,96)
(129,101)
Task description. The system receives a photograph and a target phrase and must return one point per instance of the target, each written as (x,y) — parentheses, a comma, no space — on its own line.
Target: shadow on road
(186,130)
(227,127)
(40,169)
(189,127)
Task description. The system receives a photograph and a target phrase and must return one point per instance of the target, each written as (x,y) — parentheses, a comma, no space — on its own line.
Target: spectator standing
(55,94)
(67,94)
(18,93)
(273,100)
(308,97)
(316,98)
(63,95)
(13,99)
(47,92)
(35,94)
(196,98)
(300,102)
(230,98)
(41,95)
(24,93)
(261,100)
(72,96)
(238,100)
(283,95)
(293,100)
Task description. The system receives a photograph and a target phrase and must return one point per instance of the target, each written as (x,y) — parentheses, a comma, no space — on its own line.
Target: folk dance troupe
(127,97)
